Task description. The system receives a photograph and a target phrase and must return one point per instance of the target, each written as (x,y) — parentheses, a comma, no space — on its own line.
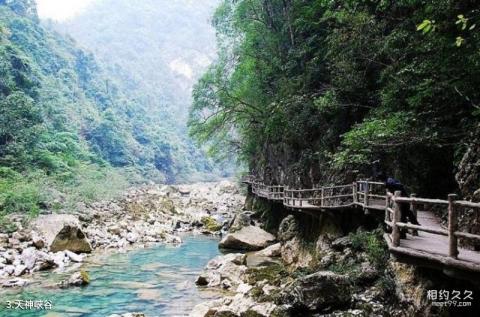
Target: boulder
(62,232)
(294,253)
(248,238)
(17,282)
(225,271)
(114,230)
(318,291)
(77,279)
(227,187)
(3,238)
(341,243)
(29,257)
(132,237)
(37,241)
(21,236)
(59,259)
(241,220)
(272,251)
(74,257)
(288,228)
(202,280)
(9,269)
(20,270)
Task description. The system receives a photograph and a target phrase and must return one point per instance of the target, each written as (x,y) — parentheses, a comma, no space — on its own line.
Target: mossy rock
(272,273)
(250,313)
(168,205)
(211,224)
(85,277)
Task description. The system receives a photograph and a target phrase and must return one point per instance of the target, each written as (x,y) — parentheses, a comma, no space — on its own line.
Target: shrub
(372,243)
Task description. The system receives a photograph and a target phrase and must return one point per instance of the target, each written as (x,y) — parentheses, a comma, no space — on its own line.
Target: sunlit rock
(62,232)
(249,238)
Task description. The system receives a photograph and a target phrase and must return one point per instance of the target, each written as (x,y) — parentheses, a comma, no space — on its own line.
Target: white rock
(243,288)
(122,243)
(59,259)
(18,282)
(248,238)
(38,242)
(74,257)
(132,237)
(20,270)
(29,257)
(9,269)
(271,251)
(114,230)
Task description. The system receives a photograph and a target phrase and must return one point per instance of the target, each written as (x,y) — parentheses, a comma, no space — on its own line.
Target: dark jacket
(393,185)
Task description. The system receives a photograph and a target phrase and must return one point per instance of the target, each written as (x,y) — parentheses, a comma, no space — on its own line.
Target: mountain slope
(69,131)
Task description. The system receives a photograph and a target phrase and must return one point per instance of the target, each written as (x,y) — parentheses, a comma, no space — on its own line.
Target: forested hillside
(156,50)
(162,46)
(69,131)
(313,91)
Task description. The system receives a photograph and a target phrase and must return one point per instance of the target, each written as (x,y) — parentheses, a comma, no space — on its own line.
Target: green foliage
(74,130)
(376,134)
(373,244)
(346,81)
(426,26)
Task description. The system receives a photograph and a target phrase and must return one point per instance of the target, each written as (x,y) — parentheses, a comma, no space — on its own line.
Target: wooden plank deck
(433,243)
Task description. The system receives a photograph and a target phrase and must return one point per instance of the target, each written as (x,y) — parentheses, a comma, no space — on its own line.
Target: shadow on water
(157,281)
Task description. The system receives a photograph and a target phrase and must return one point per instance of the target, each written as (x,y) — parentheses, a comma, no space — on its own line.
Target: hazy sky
(61,10)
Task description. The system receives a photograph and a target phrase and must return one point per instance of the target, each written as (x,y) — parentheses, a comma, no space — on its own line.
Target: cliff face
(421,168)
(468,176)
(298,168)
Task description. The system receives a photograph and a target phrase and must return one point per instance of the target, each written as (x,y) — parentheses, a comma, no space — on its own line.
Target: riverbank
(297,264)
(142,217)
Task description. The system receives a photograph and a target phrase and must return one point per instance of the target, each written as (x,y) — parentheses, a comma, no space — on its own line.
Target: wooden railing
(373,196)
(272,192)
(393,219)
(366,194)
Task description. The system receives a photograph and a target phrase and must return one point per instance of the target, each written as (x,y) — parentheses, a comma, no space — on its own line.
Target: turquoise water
(157,281)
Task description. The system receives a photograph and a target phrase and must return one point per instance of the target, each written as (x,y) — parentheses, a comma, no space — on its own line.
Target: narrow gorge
(239,158)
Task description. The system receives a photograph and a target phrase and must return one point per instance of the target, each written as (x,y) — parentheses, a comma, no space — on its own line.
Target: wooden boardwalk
(432,245)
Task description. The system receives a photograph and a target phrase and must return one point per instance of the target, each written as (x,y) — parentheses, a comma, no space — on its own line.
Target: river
(157,281)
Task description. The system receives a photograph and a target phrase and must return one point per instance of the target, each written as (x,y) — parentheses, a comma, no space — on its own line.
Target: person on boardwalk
(392,186)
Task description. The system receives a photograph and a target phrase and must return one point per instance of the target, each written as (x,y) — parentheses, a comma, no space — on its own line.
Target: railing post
(396,218)
(365,197)
(452,227)
(354,192)
(322,194)
(387,206)
(413,208)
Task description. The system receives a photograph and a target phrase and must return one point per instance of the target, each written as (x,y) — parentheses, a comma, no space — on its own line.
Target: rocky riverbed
(279,272)
(141,217)
(286,275)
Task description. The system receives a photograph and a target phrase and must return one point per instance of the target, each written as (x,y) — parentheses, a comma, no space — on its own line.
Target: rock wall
(468,178)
